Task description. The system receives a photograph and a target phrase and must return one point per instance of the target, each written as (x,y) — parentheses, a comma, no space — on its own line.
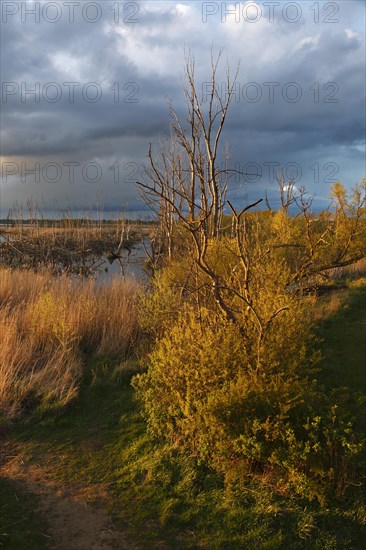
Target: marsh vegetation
(214,403)
(67,245)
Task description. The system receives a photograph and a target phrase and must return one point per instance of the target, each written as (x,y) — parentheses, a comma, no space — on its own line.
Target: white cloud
(183,9)
(309,42)
(68,65)
(351,34)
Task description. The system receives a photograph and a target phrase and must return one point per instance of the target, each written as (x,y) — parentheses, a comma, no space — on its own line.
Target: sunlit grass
(48,325)
(97,443)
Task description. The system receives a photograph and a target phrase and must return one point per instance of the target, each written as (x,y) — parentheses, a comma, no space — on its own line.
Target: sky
(86,86)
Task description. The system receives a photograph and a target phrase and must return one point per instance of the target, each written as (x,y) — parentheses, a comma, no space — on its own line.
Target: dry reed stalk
(47,325)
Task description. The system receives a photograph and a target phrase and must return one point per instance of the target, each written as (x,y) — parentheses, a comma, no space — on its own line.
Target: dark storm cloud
(145,59)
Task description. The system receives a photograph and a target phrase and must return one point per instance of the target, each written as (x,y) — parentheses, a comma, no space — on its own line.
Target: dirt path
(74,521)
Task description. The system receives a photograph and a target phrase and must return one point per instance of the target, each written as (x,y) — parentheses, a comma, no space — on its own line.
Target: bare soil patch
(76,518)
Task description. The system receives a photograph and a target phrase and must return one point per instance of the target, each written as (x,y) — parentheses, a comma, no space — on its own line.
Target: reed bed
(74,249)
(48,326)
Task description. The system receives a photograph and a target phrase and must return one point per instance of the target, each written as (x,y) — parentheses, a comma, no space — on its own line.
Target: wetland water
(130,262)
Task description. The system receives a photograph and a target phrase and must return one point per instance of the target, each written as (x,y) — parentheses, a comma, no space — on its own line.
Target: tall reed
(49,325)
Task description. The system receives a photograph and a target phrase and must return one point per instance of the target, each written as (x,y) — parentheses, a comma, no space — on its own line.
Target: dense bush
(205,393)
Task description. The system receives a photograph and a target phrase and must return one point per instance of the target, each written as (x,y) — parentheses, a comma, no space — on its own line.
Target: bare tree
(187,187)
(185,180)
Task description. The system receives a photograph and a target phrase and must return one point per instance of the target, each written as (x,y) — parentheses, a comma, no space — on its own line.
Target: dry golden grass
(82,233)
(48,324)
(353,271)
(325,307)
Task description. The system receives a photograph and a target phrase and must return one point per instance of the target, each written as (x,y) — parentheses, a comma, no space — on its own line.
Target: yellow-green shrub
(203,394)
(200,353)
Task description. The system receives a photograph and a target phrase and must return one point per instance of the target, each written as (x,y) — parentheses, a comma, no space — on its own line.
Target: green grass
(20,525)
(344,344)
(160,497)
